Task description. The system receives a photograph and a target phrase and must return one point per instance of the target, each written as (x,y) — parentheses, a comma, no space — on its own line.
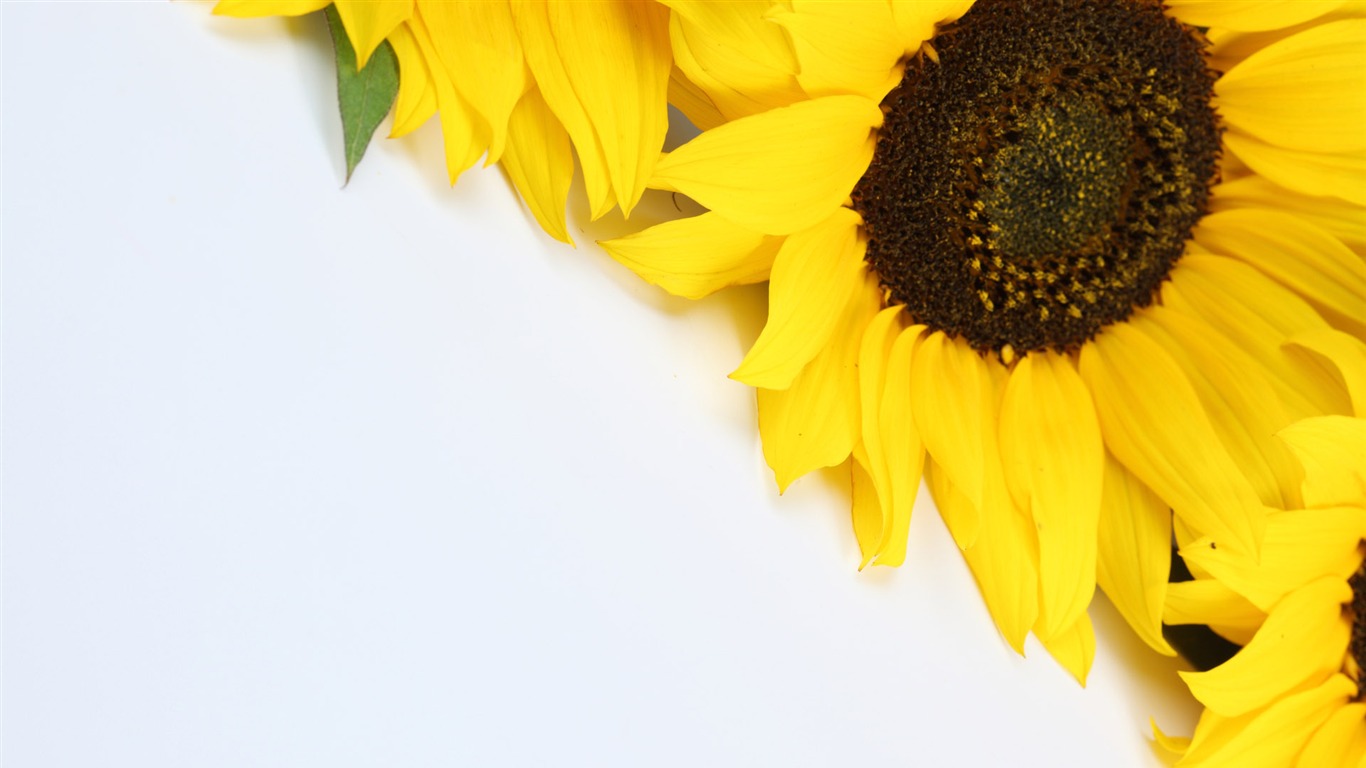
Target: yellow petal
(1333,452)
(1154,424)
(951,384)
(1278,94)
(1296,254)
(1344,352)
(1270,738)
(1301,546)
(695,256)
(1207,601)
(1173,746)
(874,352)
(532,19)
(1303,171)
(465,135)
(1052,451)
(1341,219)
(904,451)
(416,102)
(1003,558)
(844,46)
(244,9)
(868,517)
(814,422)
(1304,638)
(540,163)
(1249,16)
(742,61)
(814,276)
(1134,548)
(616,57)
(919,20)
(368,22)
(1074,648)
(1341,740)
(482,55)
(695,105)
(780,171)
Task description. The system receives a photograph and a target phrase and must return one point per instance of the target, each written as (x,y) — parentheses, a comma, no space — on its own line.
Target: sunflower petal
(779,171)
(540,162)
(1341,219)
(416,102)
(1296,254)
(1270,738)
(1304,638)
(814,423)
(905,453)
(1345,352)
(918,20)
(867,510)
(1074,648)
(247,9)
(1331,449)
(844,46)
(874,352)
(814,276)
(1250,17)
(1211,602)
(1278,93)
(1303,171)
(1341,740)
(1052,451)
(738,58)
(464,134)
(1301,546)
(1134,552)
(695,105)
(1153,422)
(951,383)
(696,256)
(368,22)
(616,55)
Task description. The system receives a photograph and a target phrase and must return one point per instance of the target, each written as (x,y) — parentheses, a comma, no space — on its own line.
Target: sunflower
(527,83)
(1041,254)
(1292,694)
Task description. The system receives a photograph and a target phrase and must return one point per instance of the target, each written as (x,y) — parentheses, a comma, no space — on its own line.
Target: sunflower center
(1040,179)
(1358,645)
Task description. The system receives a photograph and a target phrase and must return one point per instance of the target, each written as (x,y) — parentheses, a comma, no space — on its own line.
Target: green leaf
(365,97)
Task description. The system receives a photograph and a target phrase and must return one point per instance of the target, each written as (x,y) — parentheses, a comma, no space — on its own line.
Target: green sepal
(365,96)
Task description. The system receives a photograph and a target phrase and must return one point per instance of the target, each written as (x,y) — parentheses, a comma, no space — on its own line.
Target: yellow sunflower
(1291,695)
(520,82)
(1041,253)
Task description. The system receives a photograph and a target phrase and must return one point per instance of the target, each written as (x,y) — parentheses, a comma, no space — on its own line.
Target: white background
(382,476)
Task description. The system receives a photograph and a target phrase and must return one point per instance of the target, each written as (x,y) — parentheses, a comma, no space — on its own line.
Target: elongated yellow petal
(844,46)
(951,385)
(1339,218)
(1174,746)
(1207,601)
(866,508)
(1074,647)
(464,134)
(1343,351)
(1301,546)
(532,20)
(814,423)
(1278,94)
(1304,638)
(1134,552)
(368,22)
(695,256)
(1153,422)
(1257,315)
(1003,558)
(1296,254)
(904,451)
(416,102)
(245,9)
(736,56)
(918,20)
(1341,740)
(1052,452)
(1331,448)
(780,171)
(482,55)
(616,57)
(1270,738)
(1242,404)
(540,163)
(815,274)
(1250,16)
(874,352)
(1304,171)
(692,101)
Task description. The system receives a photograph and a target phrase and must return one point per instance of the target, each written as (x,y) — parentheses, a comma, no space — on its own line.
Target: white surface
(381,476)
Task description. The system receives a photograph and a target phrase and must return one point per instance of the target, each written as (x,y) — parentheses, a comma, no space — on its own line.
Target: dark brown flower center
(1358,644)
(1039,180)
